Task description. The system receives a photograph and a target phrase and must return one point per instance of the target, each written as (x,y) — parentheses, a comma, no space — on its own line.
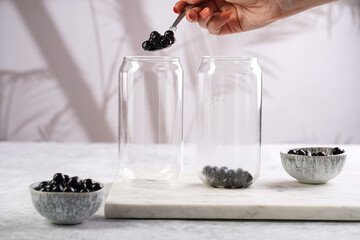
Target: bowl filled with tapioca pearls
(313,165)
(67,200)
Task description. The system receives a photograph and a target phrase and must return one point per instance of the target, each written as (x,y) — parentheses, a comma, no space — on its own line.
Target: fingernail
(175,10)
(188,18)
(192,16)
(205,13)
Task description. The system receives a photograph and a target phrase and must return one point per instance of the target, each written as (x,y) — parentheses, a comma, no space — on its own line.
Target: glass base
(149,175)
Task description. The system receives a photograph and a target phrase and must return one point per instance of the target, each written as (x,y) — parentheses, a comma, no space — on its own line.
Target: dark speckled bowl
(65,207)
(313,169)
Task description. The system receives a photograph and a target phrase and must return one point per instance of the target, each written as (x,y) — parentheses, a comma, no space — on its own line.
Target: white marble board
(269,198)
(275,195)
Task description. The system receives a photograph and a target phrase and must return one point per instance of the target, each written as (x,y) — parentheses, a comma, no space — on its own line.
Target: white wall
(59,63)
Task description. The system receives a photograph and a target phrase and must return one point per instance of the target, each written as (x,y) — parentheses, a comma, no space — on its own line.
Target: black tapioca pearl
(43,184)
(224,168)
(66,178)
(59,177)
(212,175)
(292,151)
(229,179)
(240,178)
(249,179)
(96,186)
(64,184)
(222,172)
(206,170)
(172,40)
(217,182)
(300,152)
(75,182)
(87,183)
(243,179)
(148,45)
(321,154)
(154,35)
(52,184)
(169,33)
(231,173)
(48,188)
(337,151)
(213,171)
(58,188)
(69,189)
(157,44)
(220,177)
(307,153)
(164,42)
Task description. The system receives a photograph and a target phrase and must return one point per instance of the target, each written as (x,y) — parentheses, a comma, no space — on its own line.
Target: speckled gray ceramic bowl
(66,207)
(313,169)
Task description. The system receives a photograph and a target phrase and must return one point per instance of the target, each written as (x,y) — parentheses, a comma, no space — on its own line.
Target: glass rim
(151,58)
(228,58)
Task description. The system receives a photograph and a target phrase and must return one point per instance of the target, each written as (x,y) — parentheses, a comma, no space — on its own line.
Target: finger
(218,21)
(204,17)
(194,1)
(179,6)
(192,15)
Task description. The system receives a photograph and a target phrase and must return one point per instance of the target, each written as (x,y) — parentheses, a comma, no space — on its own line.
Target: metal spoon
(181,16)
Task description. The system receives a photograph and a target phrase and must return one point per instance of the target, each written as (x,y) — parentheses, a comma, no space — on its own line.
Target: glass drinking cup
(150,118)
(228,121)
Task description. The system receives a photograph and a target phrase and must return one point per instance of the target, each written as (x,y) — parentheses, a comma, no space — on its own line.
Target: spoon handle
(181,16)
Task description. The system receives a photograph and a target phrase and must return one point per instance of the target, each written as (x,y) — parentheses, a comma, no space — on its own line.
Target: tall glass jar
(150,118)
(228,121)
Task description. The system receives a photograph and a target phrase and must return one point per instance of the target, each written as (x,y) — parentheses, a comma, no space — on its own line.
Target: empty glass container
(228,121)
(150,118)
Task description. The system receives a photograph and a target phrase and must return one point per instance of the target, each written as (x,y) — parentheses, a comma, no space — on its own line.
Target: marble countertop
(24,163)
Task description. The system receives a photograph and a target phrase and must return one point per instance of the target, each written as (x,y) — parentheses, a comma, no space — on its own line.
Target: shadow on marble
(94,222)
(199,185)
(288,185)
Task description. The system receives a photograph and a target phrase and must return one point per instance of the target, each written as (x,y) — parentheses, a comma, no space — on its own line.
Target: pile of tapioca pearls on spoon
(157,41)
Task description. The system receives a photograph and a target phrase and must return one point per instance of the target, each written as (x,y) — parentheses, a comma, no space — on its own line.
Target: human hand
(232,16)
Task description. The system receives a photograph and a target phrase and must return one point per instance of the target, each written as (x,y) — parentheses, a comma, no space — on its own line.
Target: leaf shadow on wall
(65,70)
(36,82)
